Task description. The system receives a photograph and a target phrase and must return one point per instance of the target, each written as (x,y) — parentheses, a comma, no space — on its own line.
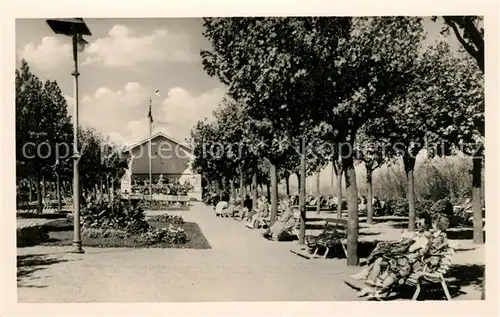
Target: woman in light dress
(285,222)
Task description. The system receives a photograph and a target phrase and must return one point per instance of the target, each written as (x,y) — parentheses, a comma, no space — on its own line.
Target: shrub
(104,233)
(396,207)
(170,235)
(399,207)
(164,218)
(423,206)
(114,214)
(443,207)
(154,204)
(437,178)
(30,236)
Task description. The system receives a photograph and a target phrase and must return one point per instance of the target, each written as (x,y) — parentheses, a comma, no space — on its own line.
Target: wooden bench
(309,253)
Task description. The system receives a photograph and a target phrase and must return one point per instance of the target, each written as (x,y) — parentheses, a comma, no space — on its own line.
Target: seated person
(333,202)
(229,211)
(285,222)
(362,204)
(313,202)
(395,262)
(247,207)
(261,212)
(323,201)
(377,206)
(221,206)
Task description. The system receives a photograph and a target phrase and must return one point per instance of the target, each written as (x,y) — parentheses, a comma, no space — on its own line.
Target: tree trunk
(30,190)
(112,190)
(242,187)
(332,180)
(318,193)
(352,209)
(339,191)
(39,194)
(233,190)
(218,187)
(268,191)
(369,204)
(476,200)
(254,187)
(44,192)
(107,187)
(409,164)
(298,181)
(58,192)
(274,192)
(224,185)
(287,184)
(302,192)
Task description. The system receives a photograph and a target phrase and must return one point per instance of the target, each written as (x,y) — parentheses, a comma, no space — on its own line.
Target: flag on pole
(150,115)
(157,92)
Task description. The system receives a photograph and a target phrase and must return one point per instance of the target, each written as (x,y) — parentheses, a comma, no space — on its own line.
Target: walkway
(241,266)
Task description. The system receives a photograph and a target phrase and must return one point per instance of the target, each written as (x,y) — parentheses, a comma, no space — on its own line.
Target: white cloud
(181,110)
(122,47)
(52,51)
(122,114)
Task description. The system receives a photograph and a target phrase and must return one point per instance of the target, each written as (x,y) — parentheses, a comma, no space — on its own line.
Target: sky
(123,65)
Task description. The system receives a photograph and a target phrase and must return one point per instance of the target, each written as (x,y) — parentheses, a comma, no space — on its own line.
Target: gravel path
(241,266)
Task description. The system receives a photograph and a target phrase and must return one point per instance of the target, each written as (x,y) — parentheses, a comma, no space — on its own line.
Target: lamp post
(74,28)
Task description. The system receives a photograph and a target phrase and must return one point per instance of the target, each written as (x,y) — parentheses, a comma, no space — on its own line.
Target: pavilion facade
(170,160)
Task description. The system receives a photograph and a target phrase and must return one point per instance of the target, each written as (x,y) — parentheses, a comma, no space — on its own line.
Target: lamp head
(69,27)
(80,42)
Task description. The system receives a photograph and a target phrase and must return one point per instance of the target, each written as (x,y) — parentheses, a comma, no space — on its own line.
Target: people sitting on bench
(261,212)
(230,210)
(394,262)
(284,223)
(362,204)
(247,207)
(220,208)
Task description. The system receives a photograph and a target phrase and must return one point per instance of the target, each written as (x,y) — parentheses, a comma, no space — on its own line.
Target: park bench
(430,282)
(327,240)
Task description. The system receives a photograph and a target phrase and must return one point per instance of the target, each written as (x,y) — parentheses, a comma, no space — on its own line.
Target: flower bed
(120,219)
(169,235)
(121,224)
(165,218)
(186,236)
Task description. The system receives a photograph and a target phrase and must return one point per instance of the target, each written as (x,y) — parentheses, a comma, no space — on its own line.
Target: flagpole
(150,166)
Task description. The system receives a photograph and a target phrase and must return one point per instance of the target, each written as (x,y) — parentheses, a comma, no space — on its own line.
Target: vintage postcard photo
(327,158)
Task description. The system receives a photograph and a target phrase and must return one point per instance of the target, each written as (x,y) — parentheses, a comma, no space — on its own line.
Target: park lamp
(74,28)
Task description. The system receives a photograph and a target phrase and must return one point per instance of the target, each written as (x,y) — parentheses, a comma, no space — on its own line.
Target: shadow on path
(29,264)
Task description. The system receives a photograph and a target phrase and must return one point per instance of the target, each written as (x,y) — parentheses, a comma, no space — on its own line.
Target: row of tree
(365,83)
(44,141)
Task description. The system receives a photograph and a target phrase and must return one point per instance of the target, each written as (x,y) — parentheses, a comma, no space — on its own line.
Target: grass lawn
(61,233)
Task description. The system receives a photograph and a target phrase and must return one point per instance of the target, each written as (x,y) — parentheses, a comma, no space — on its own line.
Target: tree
(113,163)
(373,152)
(339,70)
(268,73)
(469,32)
(457,105)
(40,142)
(232,122)
(372,67)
